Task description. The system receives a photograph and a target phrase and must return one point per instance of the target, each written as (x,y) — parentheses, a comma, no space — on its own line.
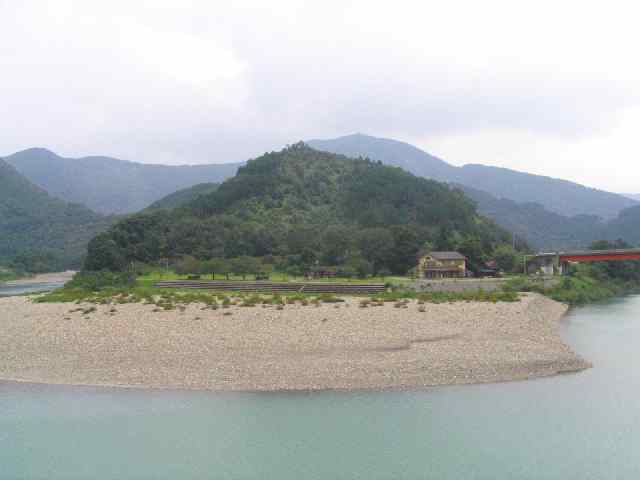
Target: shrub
(96,281)
(329,298)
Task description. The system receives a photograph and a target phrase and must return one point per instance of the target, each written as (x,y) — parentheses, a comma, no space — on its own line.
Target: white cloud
(607,161)
(549,87)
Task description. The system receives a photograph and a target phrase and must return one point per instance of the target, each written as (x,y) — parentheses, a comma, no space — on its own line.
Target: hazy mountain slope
(184,196)
(559,196)
(108,185)
(306,205)
(30,219)
(390,152)
(541,228)
(545,230)
(633,196)
(626,226)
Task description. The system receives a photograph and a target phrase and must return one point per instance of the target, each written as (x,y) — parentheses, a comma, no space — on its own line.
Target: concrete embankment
(465,285)
(298,347)
(277,287)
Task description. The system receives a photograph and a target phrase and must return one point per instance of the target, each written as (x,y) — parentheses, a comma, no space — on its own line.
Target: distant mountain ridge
(559,196)
(108,185)
(32,220)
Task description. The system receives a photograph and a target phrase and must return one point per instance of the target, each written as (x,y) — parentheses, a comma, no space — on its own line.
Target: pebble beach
(338,346)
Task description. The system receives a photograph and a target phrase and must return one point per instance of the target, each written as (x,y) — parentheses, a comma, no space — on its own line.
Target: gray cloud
(190,82)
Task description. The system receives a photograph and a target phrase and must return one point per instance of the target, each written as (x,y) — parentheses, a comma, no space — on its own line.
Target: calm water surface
(8,291)
(579,426)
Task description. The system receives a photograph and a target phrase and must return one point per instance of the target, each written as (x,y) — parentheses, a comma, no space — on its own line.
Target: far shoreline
(41,278)
(298,349)
(177,389)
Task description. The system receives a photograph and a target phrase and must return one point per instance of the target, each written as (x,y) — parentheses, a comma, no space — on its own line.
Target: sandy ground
(42,278)
(297,348)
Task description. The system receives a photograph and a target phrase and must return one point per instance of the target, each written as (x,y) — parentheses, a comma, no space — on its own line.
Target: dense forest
(302,207)
(39,232)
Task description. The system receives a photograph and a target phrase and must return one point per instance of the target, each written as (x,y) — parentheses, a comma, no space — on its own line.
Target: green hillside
(182,197)
(32,221)
(108,185)
(307,206)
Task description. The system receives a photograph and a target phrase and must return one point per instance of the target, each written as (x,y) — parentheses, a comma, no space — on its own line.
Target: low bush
(97,281)
(329,298)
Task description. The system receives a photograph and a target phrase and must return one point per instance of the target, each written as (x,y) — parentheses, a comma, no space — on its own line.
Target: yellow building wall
(428,262)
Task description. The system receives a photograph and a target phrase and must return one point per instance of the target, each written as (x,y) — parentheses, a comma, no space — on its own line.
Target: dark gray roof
(447,256)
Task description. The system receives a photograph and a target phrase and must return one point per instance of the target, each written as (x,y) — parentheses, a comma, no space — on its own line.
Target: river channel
(575,426)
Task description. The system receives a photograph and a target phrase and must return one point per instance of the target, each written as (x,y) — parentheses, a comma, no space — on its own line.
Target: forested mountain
(182,197)
(559,196)
(34,223)
(307,206)
(108,185)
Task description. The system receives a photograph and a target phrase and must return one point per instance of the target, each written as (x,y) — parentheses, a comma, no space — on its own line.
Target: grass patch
(9,275)
(581,288)
(329,298)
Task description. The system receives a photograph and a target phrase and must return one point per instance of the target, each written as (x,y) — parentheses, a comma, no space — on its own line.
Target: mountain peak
(560,196)
(391,152)
(36,152)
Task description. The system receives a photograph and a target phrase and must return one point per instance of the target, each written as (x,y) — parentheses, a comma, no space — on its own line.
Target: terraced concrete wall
(473,284)
(277,287)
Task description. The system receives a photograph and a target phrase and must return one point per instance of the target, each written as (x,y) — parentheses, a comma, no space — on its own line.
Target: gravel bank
(297,348)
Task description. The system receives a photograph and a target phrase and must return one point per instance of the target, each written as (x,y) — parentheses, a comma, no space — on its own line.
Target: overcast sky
(546,87)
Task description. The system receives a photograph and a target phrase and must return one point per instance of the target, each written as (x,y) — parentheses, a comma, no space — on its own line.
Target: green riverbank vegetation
(7,274)
(117,288)
(588,283)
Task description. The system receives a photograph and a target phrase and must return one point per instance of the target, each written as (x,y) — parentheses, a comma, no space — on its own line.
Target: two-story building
(442,265)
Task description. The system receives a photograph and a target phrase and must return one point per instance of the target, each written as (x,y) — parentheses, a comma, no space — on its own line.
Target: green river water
(577,426)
